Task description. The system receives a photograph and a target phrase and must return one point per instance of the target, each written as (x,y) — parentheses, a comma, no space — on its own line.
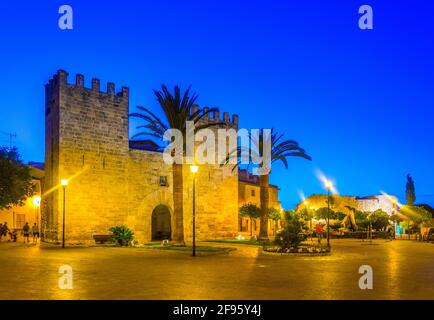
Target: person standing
(319,232)
(5,230)
(26,232)
(35,232)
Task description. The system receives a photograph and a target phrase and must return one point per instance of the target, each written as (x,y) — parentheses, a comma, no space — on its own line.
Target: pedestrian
(26,232)
(319,231)
(5,230)
(14,235)
(35,232)
(1,231)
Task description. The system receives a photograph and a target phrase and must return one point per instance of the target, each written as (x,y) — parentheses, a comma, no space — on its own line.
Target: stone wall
(340,203)
(379,202)
(110,184)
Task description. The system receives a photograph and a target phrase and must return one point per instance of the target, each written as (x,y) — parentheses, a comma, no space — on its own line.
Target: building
(249,192)
(379,202)
(17,216)
(387,203)
(114,181)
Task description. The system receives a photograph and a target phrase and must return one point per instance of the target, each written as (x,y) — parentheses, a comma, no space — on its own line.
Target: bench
(102,238)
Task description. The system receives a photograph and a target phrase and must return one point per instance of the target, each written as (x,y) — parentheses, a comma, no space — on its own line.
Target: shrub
(292,233)
(122,235)
(336,226)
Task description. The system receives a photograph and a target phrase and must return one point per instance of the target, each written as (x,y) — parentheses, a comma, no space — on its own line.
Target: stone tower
(86,142)
(112,182)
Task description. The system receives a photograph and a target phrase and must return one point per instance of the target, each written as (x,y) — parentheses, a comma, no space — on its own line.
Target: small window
(163,181)
(253,193)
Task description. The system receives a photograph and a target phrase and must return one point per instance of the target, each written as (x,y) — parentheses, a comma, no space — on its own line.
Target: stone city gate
(161,223)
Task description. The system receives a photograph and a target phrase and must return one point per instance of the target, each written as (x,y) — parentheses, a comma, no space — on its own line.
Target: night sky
(360,102)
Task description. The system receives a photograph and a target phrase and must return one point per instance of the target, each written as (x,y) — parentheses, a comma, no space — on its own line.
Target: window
(20,220)
(163,181)
(253,192)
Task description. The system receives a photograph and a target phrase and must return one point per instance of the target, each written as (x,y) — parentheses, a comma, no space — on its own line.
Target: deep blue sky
(360,102)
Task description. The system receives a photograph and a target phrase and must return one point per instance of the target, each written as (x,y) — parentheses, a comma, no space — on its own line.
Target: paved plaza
(402,270)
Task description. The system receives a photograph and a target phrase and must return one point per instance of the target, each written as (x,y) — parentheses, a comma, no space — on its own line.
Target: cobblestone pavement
(402,270)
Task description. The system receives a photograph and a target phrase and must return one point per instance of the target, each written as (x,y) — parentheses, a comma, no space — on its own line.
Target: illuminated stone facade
(112,183)
(249,192)
(378,202)
(341,203)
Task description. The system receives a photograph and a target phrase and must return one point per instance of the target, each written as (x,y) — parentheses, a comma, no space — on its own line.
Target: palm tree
(280,151)
(178,108)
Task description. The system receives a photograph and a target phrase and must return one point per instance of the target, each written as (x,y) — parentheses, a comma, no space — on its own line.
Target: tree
(292,233)
(379,219)
(415,214)
(361,218)
(250,211)
(274,215)
(410,192)
(396,219)
(427,207)
(280,151)
(177,109)
(339,216)
(322,213)
(15,179)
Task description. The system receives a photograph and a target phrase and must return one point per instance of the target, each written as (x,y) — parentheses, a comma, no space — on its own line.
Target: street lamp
(36,201)
(64,183)
(328,186)
(194,169)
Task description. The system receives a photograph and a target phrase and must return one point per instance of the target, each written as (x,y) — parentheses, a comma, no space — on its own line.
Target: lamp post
(328,185)
(194,169)
(64,183)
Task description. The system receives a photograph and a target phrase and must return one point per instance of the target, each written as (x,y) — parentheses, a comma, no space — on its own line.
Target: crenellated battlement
(216,116)
(87,141)
(61,79)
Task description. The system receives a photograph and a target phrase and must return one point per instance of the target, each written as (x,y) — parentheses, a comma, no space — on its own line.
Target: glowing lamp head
(36,201)
(328,185)
(306,203)
(64,182)
(194,168)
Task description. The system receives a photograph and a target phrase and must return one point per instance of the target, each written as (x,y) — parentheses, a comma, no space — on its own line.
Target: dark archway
(161,227)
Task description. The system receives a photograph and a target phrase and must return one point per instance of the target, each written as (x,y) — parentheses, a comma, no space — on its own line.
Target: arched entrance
(161,228)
